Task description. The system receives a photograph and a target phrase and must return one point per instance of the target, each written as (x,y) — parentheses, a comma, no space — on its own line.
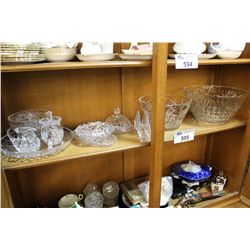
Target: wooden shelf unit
(81,92)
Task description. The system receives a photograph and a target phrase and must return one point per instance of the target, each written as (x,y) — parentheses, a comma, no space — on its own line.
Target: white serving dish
(201,56)
(135,57)
(137,52)
(97,57)
(229,54)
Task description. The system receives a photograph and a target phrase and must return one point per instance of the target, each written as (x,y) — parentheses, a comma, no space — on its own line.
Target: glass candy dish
(214,103)
(120,122)
(191,171)
(95,134)
(176,108)
(28,118)
(9,150)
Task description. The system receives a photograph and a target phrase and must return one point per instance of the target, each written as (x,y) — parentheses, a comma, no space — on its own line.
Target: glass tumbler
(94,200)
(89,188)
(110,191)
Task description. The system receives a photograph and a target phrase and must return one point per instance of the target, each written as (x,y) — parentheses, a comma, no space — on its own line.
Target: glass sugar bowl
(51,131)
(120,122)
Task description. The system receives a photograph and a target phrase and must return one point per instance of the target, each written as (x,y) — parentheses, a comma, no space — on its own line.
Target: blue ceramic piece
(180,170)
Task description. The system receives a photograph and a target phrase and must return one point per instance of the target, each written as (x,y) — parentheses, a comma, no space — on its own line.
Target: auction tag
(186,61)
(183,136)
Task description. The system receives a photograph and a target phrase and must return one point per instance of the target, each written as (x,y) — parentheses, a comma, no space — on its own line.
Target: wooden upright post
(159,79)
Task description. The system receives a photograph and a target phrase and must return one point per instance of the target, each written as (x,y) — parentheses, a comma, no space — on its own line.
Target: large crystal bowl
(214,103)
(176,108)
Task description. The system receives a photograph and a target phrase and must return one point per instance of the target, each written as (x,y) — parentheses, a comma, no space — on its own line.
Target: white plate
(135,57)
(201,56)
(137,52)
(98,57)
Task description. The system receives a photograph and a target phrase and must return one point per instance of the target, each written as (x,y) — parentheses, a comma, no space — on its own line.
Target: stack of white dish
(92,51)
(21,53)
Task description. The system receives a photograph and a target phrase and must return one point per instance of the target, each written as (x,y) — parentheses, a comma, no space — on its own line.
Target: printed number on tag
(186,61)
(183,136)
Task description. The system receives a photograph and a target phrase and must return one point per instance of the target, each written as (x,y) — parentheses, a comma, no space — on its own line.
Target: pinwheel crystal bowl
(213,103)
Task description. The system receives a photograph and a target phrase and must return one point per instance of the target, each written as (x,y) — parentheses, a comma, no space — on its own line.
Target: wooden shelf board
(107,64)
(228,198)
(73,65)
(125,142)
(201,129)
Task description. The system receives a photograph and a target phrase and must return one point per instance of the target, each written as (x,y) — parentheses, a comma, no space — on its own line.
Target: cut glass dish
(9,150)
(95,134)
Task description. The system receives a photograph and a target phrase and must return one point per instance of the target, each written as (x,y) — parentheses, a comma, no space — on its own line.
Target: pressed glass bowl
(28,118)
(176,108)
(214,103)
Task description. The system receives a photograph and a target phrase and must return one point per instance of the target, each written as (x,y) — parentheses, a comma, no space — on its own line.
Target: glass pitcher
(24,139)
(51,131)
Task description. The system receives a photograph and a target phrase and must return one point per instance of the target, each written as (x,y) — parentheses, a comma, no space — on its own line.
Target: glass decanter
(120,122)
(51,131)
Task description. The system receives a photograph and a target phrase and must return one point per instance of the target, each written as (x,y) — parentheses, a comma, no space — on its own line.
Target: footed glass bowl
(214,103)
(176,108)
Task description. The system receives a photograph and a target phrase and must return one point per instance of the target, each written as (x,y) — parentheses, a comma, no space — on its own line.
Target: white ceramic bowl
(59,51)
(229,54)
(59,57)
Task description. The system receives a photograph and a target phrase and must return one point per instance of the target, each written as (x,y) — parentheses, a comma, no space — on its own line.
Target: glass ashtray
(95,134)
(8,149)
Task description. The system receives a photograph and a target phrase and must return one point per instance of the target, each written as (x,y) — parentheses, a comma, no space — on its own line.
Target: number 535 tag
(183,136)
(186,61)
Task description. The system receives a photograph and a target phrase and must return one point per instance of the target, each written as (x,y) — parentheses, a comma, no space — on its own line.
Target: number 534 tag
(183,136)
(186,61)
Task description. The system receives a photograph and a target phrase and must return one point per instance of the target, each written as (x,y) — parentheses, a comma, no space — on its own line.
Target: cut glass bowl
(214,103)
(176,108)
(28,118)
